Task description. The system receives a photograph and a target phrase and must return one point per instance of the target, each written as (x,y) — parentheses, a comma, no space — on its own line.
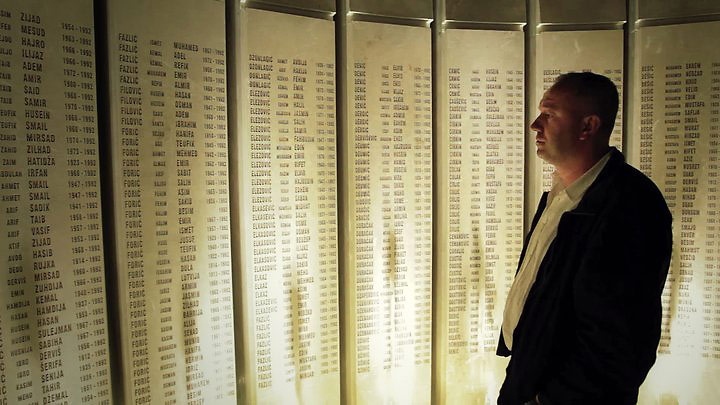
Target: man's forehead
(555,98)
(549,100)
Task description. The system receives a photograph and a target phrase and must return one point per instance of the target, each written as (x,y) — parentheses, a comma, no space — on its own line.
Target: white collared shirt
(560,200)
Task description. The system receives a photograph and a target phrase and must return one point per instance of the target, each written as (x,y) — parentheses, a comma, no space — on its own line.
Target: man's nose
(535,126)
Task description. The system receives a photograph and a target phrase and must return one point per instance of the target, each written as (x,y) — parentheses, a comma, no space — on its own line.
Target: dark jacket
(590,327)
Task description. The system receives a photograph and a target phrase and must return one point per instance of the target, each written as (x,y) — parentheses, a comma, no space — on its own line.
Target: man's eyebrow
(547,104)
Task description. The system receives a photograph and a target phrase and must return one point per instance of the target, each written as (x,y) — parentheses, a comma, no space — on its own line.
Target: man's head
(577,115)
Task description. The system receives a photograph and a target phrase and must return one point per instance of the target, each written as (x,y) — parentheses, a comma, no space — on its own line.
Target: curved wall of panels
(260,240)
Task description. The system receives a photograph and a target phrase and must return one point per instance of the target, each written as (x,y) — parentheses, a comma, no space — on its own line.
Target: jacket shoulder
(636,190)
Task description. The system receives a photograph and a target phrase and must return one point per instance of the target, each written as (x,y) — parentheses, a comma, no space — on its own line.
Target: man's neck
(574,169)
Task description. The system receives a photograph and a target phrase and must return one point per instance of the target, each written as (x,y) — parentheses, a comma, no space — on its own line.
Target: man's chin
(542,154)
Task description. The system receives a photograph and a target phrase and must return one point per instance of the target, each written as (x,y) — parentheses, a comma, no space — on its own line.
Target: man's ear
(590,126)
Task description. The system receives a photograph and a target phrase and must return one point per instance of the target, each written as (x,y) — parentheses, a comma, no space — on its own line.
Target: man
(582,319)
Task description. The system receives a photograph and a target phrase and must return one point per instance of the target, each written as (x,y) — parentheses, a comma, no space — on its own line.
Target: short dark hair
(597,92)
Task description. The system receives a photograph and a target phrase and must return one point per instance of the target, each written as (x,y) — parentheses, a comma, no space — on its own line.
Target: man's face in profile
(558,126)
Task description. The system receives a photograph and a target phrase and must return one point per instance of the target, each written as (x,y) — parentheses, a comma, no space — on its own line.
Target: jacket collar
(596,194)
(594,198)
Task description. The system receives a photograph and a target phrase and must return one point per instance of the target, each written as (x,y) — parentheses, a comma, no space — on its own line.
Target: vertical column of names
(390,244)
(41,162)
(677,147)
(169,155)
(647,164)
(474,145)
(13,356)
(190,162)
(693,143)
(485,158)
(367,299)
(422,207)
(14,276)
(464,290)
(303,190)
(291,268)
(263,211)
(515,174)
(494,213)
(503,186)
(647,97)
(20,271)
(676,170)
(131,121)
(390,189)
(54,344)
(165,279)
(395,204)
(292,292)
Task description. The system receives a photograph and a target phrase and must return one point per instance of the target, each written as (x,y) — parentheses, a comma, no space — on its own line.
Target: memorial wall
(53,322)
(483,127)
(288,208)
(170,207)
(389,201)
(676,139)
(257,240)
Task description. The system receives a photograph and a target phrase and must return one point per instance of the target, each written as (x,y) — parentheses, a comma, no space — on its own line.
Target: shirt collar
(577,189)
